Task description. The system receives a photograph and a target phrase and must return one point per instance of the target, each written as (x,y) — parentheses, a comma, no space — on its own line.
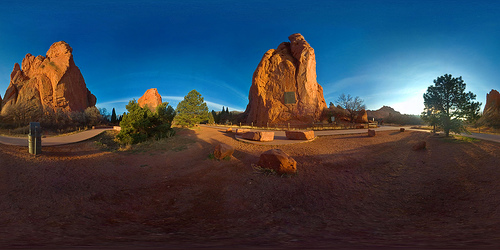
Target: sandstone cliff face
(286,73)
(151,98)
(491,113)
(53,81)
(492,102)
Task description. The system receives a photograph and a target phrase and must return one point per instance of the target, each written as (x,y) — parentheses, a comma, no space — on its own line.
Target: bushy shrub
(139,124)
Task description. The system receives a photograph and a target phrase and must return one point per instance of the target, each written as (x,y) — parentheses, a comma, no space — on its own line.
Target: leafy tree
(113,116)
(139,124)
(192,110)
(93,116)
(353,105)
(447,104)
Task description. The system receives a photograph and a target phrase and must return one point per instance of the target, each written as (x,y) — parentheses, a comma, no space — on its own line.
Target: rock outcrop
(492,103)
(491,112)
(53,81)
(284,87)
(151,99)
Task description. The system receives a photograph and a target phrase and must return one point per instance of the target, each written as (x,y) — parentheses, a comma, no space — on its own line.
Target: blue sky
(386,52)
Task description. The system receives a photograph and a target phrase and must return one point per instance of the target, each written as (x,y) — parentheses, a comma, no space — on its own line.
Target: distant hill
(388,115)
(382,113)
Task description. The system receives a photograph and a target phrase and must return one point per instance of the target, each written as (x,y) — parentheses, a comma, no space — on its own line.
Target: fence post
(252,125)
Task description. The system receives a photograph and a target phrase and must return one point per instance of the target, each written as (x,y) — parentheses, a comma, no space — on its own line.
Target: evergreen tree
(192,110)
(447,104)
(113,116)
(139,124)
(215,116)
(211,119)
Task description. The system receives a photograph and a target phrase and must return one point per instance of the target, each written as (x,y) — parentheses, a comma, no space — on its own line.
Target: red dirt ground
(351,191)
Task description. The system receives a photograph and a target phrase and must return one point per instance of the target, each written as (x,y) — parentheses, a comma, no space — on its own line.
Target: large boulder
(222,151)
(421,145)
(279,161)
(151,99)
(258,136)
(371,133)
(299,134)
(284,87)
(51,81)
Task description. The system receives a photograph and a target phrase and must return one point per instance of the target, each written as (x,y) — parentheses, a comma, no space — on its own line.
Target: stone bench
(299,134)
(258,136)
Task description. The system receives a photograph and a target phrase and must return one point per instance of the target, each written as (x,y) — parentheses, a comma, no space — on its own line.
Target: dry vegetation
(350,191)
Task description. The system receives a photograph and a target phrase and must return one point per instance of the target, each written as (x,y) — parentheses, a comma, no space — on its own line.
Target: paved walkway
(56,140)
(280,137)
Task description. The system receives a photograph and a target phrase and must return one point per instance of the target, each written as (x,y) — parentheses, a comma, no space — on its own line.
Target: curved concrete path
(56,140)
(280,138)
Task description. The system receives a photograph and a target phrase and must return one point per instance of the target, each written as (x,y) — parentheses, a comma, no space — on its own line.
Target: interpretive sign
(290,97)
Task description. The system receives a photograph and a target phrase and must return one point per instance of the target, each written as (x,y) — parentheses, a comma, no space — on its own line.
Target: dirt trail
(351,191)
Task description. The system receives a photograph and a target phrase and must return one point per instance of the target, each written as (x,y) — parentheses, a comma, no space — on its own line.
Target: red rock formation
(151,98)
(492,102)
(52,81)
(491,112)
(288,72)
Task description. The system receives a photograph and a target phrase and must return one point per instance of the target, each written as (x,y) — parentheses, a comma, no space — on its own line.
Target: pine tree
(447,104)
(192,110)
(113,116)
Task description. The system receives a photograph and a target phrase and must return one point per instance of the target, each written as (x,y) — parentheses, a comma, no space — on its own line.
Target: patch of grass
(460,139)
(264,171)
(211,156)
(106,141)
(268,172)
(176,143)
(179,148)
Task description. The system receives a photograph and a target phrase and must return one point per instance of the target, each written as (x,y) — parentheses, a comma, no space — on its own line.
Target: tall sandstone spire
(53,81)
(151,99)
(491,112)
(284,87)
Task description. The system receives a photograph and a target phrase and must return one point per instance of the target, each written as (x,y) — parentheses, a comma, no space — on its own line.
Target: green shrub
(139,124)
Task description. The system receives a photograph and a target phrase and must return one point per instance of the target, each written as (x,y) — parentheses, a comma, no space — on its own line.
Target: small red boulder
(279,161)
